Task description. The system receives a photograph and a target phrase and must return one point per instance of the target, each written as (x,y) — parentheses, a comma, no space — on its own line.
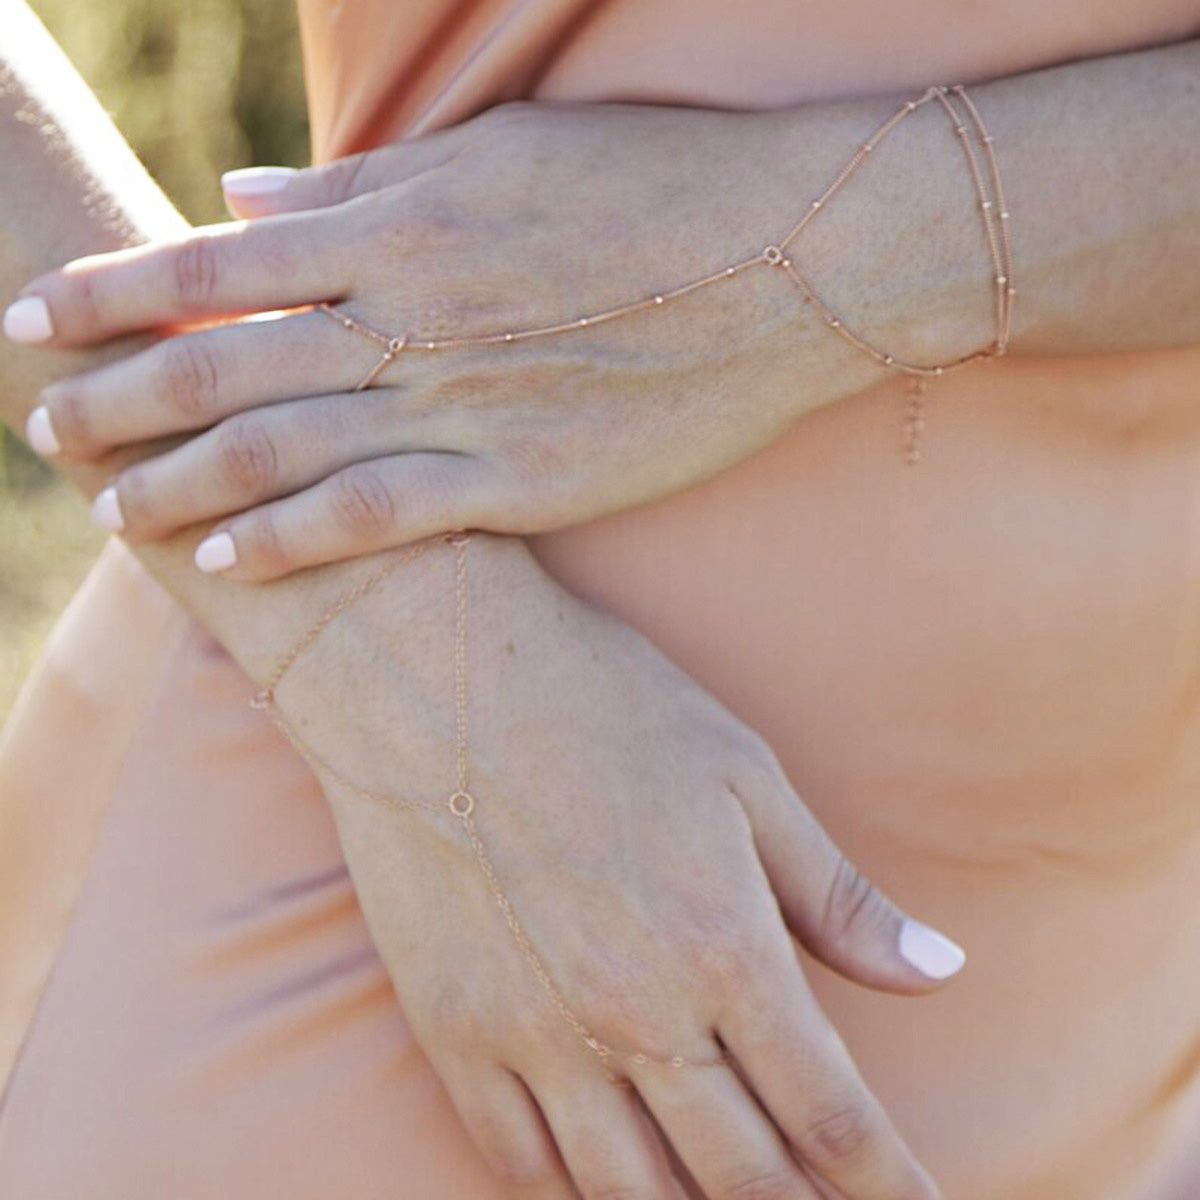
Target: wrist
(900,255)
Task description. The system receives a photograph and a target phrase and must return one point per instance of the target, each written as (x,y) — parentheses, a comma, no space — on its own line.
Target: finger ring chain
(992,208)
(461,801)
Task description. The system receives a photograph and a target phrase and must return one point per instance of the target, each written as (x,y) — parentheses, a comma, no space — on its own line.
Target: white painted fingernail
(932,953)
(216,553)
(106,511)
(39,433)
(28,320)
(257,181)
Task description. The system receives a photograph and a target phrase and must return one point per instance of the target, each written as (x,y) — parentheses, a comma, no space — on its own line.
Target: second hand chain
(776,255)
(461,802)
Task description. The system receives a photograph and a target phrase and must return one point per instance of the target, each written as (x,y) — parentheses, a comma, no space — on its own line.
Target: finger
(213,271)
(801,1072)
(839,915)
(265,454)
(365,508)
(607,1140)
(264,191)
(195,380)
(720,1133)
(503,1121)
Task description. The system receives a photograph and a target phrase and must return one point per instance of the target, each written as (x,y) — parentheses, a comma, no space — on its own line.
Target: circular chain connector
(461,804)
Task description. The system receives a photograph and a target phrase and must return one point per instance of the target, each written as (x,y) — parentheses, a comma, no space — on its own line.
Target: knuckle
(345,177)
(137,508)
(721,957)
(853,904)
(619,1190)
(452,1014)
(537,460)
(70,418)
(837,1136)
(431,217)
(362,501)
(260,545)
(517,1169)
(83,300)
(187,378)
(773,1183)
(248,458)
(195,269)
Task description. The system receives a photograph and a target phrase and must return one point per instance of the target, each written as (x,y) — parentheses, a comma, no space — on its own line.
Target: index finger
(803,1075)
(214,271)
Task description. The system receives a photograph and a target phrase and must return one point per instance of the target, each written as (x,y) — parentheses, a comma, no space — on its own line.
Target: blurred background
(197,87)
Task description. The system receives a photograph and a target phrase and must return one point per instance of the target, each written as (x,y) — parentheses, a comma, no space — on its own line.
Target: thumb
(266,191)
(837,913)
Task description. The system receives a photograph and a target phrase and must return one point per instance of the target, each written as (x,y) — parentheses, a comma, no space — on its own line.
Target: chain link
(992,209)
(461,803)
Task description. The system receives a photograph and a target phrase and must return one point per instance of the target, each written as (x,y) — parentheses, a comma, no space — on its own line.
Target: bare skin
(354,654)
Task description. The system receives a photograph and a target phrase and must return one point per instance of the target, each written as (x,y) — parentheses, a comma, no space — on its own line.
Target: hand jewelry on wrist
(992,208)
(461,802)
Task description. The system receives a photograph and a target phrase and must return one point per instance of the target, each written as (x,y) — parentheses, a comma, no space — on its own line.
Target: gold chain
(460,802)
(993,211)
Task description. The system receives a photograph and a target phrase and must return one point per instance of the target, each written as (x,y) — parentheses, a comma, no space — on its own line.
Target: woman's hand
(660,884)
(527,215)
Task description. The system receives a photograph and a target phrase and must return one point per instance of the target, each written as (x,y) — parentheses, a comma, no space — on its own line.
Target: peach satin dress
(982,673)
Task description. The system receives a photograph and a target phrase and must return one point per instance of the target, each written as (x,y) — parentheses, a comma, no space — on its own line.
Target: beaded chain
(461,801)
(993,211)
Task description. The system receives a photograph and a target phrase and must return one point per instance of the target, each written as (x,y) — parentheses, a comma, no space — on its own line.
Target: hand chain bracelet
(461,801)
(992,209)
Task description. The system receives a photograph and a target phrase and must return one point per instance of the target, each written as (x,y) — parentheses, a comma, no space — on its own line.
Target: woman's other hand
(527,215)
(661,864)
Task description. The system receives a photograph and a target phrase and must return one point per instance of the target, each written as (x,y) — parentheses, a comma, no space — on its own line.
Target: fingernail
(257,181)
(932,953)
(28,320)
(106,511)
(39,433)
(216,553)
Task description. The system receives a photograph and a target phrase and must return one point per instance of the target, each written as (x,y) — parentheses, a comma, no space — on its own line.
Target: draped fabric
(980,673)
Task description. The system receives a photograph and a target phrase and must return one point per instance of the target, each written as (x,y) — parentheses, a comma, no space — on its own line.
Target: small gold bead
(910,106)
(985,204)
(582,321)
(887,358)
(430,345)
(816,204)
(961,130)
(834,322)
(1004,214)
(1001,278)
(987,137)
(729,270)
(867,147)
(658,299)
(1012,291)
(938,370)
(508,337)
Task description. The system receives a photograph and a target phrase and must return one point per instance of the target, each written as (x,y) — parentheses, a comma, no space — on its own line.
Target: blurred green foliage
(197,87)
